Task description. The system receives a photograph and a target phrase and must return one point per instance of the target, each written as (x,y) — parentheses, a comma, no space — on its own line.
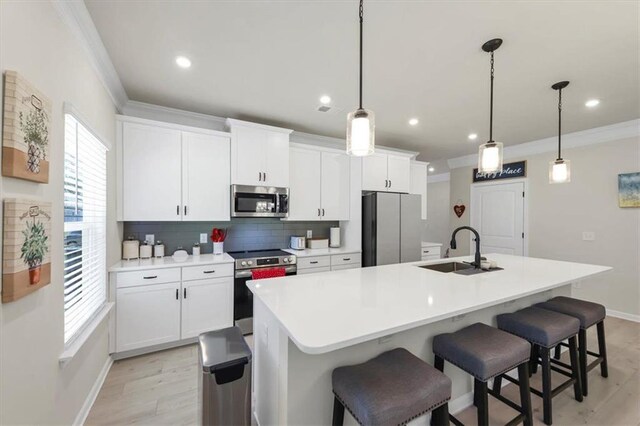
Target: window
(85,221)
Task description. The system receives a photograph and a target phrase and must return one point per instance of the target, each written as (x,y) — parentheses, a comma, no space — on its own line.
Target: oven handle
(246,273)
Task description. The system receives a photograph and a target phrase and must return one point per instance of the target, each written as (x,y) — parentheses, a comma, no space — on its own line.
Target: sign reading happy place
(516,169)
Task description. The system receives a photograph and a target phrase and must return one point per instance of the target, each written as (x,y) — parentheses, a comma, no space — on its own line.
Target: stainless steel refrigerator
(391,228)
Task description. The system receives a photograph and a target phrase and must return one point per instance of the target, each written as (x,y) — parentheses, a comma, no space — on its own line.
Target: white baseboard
(623,315)
(93,393)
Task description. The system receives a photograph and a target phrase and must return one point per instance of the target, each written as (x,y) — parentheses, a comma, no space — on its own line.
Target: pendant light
(559,170)
(361,122)
(490,153)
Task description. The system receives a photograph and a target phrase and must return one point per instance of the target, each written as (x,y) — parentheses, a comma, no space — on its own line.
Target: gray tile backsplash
(242,233)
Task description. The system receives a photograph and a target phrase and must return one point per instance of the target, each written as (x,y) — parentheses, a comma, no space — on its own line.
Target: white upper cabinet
(169,172)
(259,154)
(205,177)
(151,173)
(386,172)
(320,184)
(419,183)
(336,184)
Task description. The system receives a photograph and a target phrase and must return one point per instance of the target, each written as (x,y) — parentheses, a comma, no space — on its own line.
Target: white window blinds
(85,220)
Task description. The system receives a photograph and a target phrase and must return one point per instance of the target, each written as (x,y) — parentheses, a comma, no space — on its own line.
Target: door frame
(525,208)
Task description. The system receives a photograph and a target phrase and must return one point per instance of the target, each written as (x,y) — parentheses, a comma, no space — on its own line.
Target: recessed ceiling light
(413,121)
(592,103)
(473,136)
(183,62)
(325,99)
(431,169)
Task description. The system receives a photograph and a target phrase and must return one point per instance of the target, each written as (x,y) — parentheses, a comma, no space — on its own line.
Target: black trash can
(225,378)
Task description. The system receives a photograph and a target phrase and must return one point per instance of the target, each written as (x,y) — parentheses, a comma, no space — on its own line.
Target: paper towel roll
(334,237)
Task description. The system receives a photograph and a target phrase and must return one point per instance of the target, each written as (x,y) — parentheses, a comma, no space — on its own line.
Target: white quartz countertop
(321,252)
(168,262)
(331,310)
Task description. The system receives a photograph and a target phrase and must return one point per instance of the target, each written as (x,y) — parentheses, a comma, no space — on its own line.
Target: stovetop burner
(251,254)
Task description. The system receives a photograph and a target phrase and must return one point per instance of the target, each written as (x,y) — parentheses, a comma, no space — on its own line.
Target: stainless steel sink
(448,266)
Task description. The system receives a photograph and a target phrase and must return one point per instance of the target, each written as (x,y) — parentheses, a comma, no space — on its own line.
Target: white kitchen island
(305,326)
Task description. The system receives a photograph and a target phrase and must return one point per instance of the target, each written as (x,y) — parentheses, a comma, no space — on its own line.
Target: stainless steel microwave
(259,201)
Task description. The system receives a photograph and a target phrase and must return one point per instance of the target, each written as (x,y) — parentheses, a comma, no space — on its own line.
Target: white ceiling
(270,61)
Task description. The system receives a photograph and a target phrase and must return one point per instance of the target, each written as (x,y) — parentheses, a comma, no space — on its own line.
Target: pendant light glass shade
(360,133)
(559,171)
(490,157)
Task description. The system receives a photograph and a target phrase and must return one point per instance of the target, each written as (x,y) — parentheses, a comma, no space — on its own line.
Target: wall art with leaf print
(26,131)
(26,264)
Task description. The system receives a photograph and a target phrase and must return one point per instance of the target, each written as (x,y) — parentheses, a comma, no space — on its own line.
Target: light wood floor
(161,388)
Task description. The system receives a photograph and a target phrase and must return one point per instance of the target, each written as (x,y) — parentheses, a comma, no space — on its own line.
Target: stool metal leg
(440,416)
(438,363)
(533,362)
(557,354)
(525,393)
(546,385)
(338,412)
(602,349)
(582,349)
(497,382)
(482,401)
(575,369)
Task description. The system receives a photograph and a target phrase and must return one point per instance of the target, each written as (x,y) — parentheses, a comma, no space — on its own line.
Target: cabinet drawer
(347,266)
(207,271)
(431,251)
(149,276)
(313,262)
(345,259)
(430,257)
(313,270)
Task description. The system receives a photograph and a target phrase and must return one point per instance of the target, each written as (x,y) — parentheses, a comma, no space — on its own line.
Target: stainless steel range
(245,263)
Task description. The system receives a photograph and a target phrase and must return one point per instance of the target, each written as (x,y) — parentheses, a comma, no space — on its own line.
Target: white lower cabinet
(313,270)
(147,315)
(206,305)
(335,262)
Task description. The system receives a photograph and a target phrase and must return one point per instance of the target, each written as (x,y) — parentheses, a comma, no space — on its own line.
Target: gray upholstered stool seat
(539,326)
(481,350)
(392,388)
(588,313)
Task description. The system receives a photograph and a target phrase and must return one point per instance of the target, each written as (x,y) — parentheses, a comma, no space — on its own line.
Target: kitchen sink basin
(457,268)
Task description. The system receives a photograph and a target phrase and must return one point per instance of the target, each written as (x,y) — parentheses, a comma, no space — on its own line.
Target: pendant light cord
(560,124)
(491,104)
(361,22)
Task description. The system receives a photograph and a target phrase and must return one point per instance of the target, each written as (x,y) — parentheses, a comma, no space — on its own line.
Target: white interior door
(336,186)
(205,177)
(304,190)
(497,213)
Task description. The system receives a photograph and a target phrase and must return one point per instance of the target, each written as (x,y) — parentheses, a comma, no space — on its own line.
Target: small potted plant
(36,136)
(217,237)
(33,249)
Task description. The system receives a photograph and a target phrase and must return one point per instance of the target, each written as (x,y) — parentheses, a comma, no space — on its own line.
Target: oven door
(243,299)
(259,201)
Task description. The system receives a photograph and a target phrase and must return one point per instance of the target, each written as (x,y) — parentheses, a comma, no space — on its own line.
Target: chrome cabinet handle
(153,277)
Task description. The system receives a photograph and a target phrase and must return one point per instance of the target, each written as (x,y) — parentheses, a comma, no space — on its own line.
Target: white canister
(218,248)
(334,237)
(145,251)
(196,250)
(158,249)
(130,249)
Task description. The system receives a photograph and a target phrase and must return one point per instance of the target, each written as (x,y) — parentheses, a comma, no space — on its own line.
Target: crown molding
(442,177)
(597,135)
(74,13)
(174,115)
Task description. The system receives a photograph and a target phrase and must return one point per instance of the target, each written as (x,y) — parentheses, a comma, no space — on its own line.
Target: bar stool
(588,313)
(391,389)
(544,330)
(486,352)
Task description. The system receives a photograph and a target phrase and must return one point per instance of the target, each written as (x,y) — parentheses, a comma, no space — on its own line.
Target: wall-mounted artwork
(25,136)
(629,190)
(26,264)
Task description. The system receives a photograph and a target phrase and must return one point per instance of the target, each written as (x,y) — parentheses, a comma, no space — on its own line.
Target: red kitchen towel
(258,274)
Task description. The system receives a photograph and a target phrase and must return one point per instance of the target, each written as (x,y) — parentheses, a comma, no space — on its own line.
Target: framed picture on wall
(26,249)
(629,189)
(25,135)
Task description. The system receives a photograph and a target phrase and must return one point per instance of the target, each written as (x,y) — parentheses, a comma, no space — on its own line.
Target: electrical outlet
(150,238)
(203,238)
(309,233)
(588,236)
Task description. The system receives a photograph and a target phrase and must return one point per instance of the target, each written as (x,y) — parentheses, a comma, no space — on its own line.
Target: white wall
(33,388)
(438,207)
(558,215)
